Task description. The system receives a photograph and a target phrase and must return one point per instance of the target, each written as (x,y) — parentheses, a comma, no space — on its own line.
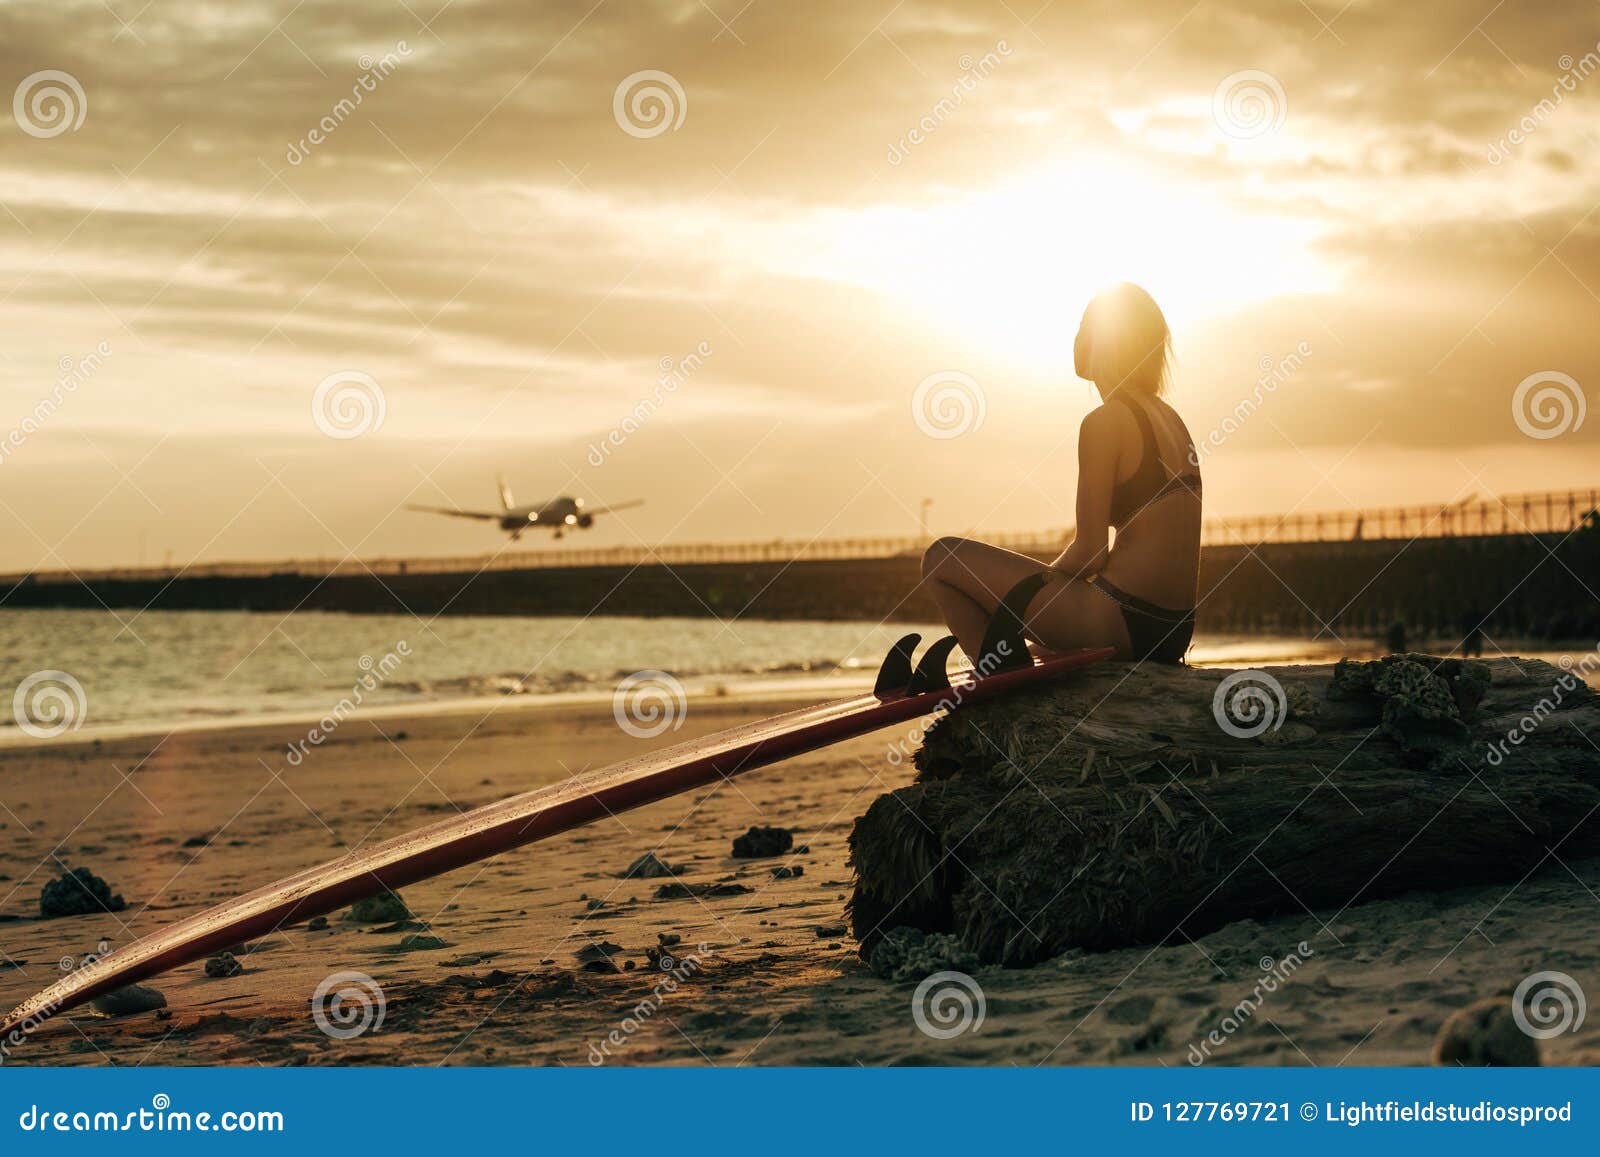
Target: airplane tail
(506,501)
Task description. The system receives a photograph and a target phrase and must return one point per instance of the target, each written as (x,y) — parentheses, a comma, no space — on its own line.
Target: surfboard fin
(895,674)
(930,674)
(1004,647)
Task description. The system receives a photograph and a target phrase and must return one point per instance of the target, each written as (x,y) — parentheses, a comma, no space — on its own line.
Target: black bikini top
(1150,482)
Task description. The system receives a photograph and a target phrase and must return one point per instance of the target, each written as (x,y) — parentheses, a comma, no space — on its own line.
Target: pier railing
(1544,513)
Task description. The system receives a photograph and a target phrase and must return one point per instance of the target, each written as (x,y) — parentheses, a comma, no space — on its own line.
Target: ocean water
(87,672)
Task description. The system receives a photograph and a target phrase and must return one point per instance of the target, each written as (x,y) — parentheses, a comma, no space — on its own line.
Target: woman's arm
(1097,475)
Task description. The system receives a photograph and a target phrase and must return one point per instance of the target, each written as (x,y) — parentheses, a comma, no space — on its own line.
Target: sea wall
(1520,585)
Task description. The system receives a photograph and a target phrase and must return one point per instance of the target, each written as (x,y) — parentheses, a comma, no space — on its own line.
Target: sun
(1011,267)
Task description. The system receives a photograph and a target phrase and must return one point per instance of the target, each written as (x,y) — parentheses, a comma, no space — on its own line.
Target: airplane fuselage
(559,514)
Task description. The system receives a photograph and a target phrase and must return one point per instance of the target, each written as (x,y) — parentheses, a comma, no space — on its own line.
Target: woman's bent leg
(968,579)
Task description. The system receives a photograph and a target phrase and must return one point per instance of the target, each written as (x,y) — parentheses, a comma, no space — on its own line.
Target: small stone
(384,908)
(909,954)
(824,931)
(650,867)
(317,924)
(762,841)
(127,1001)
(76,893)
(1485,1033)
(599,956)
(421,942)
(680,891)
(668,939)
(223,964)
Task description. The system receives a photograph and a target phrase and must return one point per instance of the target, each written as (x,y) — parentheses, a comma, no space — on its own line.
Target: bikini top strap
(1149,444)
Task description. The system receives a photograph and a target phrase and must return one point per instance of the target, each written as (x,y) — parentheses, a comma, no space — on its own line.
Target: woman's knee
(941,556)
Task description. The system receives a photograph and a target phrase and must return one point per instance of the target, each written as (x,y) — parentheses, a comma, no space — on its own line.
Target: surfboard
(901,694)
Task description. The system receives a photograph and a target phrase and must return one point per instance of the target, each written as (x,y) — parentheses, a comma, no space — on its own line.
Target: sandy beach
(181,822)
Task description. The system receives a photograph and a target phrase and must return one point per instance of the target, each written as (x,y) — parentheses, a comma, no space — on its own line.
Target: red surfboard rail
(512,822)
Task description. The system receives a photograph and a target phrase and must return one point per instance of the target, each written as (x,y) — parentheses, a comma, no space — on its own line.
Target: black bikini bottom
(1156,633)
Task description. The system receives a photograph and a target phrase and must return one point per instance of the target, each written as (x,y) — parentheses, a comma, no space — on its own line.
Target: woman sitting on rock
(1138,474)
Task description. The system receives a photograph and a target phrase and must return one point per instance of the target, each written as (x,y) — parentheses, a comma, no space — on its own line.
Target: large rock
(1135,805)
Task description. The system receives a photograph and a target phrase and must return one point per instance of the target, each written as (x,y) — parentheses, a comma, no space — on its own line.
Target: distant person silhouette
(1138,475)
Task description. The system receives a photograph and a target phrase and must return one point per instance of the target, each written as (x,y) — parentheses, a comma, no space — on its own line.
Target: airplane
(559,514)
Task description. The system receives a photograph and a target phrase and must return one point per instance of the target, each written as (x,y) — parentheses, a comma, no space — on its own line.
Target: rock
(679,891)
(759,842)
(1426,702)
(421,942)
(599,956)
(223,964)
(595,905)
(1115,840)
(909,954)
(648,867)
(127,1001)
(1485,1033)
(196,841)
(76,893)
(824,931)
(788,873)
(668,939)
(384,908)
(317,924)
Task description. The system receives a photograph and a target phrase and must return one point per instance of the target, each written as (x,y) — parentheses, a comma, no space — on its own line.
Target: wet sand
(777,981)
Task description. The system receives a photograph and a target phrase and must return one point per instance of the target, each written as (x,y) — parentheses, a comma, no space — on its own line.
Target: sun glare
(1011,267)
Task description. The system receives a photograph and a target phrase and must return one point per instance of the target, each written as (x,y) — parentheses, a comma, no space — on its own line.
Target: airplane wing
(486,515)
(629,505)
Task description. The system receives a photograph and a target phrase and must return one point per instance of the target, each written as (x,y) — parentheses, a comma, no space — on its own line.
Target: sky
(268,272)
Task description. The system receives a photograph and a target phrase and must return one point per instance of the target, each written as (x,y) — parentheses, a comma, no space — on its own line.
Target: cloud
(478,234)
